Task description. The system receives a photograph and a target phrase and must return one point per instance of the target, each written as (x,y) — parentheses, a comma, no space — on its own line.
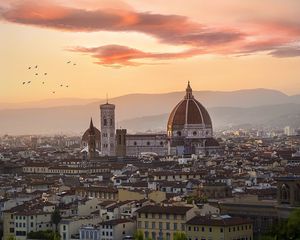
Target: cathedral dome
(188,112)
(91,131)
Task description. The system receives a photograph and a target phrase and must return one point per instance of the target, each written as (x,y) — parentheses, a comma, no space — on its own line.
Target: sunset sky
(146,46)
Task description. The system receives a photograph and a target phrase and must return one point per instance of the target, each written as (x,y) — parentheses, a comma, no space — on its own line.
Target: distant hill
(140,112)
(46,103)
(277,116)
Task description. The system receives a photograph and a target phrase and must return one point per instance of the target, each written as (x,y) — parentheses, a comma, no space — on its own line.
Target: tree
(293,225)
(46,235)
(285,229)
(11,237)
(180,236)
(138,235)
(56,218)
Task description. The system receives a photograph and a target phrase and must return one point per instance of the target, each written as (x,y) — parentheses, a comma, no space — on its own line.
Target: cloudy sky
(146,46)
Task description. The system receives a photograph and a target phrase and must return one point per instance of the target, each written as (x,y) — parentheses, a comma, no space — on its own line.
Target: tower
(107,129)
(121,142)
(91,141)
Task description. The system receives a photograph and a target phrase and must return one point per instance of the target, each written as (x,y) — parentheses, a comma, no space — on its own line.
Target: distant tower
(121,142)
(91,141)
(108,129)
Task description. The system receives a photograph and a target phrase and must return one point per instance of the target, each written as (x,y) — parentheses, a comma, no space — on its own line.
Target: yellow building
(219,228)
(161,222)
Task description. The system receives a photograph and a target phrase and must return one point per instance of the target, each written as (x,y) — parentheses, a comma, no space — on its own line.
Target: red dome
(188,111)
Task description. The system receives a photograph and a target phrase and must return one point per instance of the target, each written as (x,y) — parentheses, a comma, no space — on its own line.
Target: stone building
(189,128)
(108,129)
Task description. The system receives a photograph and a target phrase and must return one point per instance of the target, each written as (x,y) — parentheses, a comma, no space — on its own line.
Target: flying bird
(29,67)
(67,85)
(45,73)
(61,85)
(69,62)
(74,64)
(36,74)
(24,83)
(43,82)
(29,82)
(36,66)
(53,92)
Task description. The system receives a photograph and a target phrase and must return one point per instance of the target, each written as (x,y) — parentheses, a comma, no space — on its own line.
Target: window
(175,226)
(64,227)
(105,122)
(146,224)
(153,235)
(111,122)
(203,229)
(160,225)
(168,226)
(182,227)
(148,143)
(210,229)
(153,225)
(194,133)
(178,133)
(167,216)
(221,230)
(139,224)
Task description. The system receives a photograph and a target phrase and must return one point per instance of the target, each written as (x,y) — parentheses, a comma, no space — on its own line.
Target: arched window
(105,122)
(148,143)
(178,133)
(111,122)
(285,193)
(194,133)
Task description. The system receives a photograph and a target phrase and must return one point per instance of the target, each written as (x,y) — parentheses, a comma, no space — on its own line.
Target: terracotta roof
(189,111)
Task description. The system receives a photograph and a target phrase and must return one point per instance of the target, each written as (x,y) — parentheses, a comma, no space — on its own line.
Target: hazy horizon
(87,49)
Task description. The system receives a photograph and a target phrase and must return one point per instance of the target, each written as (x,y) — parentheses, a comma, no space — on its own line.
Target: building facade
(219,227)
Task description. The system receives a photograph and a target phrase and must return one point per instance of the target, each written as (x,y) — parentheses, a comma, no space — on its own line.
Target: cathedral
(189,131)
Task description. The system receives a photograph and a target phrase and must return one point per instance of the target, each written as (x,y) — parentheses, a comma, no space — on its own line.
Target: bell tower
(107,116)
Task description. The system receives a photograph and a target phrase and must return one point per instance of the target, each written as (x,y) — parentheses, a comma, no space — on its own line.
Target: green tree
(285,229)
(138,235)
(11,237)
(179,236)
(56,218)
(293,225)
(46,235)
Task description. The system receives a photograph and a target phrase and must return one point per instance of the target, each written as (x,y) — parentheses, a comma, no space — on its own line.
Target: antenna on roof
(106,98)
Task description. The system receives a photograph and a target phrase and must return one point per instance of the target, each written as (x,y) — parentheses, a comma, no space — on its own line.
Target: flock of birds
(36,73)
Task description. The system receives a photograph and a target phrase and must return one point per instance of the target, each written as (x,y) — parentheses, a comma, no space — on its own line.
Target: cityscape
(183,124)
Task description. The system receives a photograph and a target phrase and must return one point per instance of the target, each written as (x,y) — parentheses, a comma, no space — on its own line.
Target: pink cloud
(273,36)
(118,56)
(171,29)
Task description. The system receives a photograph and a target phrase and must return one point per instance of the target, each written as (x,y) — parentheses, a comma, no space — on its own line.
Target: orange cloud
(171,29)
(275,37)
(118,56)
